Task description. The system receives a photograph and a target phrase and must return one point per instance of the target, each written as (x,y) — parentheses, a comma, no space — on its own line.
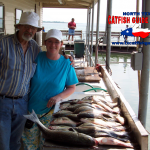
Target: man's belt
(12,97)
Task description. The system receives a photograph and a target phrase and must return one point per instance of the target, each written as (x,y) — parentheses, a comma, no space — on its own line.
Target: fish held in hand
(63,137)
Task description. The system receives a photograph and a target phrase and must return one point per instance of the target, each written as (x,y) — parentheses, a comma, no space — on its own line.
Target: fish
(104,105)
(82,101)
(111,105)
(98,107)
(112,141)
(74,117)
(70,101)
(101,115)
(72,138)
(87,125)
(90,114)
(62,113)
(64,105)
(100,122)
(85,101)
(120,119)
(64,121)
(87,97)
(99,112)
(99,97)
(94,128)
(98,132)
(75,101)
(59,127)
(83,108)
(119,129)
(105,101)
(75,106)
(116,110)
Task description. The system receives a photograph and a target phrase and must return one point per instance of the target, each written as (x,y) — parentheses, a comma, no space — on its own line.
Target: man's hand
(71,59)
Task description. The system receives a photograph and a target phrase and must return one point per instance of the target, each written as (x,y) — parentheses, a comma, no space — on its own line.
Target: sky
(80,15)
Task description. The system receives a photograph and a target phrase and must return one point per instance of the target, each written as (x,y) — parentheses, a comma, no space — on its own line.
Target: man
(17,55)
(72,27)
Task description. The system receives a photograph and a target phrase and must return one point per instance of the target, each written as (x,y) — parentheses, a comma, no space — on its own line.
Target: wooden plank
(87,74)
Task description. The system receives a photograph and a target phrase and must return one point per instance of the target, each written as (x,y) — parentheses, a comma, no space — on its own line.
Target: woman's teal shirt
(50,78)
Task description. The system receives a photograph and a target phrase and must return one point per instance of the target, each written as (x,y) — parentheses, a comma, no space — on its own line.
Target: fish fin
(72,129)
(33,117)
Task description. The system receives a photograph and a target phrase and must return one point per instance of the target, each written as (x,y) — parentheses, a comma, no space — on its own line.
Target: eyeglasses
(29,27)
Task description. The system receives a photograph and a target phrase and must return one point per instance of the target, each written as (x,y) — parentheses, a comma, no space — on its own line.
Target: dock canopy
(67,3)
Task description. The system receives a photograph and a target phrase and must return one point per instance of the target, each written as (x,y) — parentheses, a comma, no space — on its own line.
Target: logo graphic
(136,31)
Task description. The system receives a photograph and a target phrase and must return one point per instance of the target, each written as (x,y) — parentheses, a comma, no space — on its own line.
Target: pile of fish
(95,117)
(88,122)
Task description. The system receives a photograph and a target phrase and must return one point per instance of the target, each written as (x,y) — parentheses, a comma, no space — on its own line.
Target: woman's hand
(53,100)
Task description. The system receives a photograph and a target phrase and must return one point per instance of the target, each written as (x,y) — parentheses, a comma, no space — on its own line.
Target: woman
(53,81)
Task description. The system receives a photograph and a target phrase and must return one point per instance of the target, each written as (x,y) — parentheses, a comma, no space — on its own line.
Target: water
(122,73)
(82,26)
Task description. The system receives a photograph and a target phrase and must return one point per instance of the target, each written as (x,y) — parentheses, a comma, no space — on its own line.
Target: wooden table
(87,74)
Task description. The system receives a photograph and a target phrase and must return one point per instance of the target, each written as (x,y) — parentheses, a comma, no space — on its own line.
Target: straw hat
(53,33)
(29,18)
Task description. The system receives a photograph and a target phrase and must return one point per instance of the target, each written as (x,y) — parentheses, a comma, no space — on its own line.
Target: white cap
(29,18)
(53,33)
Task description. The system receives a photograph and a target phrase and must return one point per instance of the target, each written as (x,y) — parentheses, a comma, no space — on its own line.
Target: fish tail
(33,117)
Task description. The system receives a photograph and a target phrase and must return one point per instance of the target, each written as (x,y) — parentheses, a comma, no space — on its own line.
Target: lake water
(122,73)
(82,26)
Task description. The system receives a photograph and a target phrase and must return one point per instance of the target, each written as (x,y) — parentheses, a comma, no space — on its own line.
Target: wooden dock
(117,47)
(69,46)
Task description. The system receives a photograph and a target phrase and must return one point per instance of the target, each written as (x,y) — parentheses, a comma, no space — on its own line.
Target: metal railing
(88,58)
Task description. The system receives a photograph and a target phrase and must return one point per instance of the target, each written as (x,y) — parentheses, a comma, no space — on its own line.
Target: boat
(11,12)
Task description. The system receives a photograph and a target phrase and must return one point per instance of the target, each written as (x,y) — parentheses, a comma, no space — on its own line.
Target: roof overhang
(83,4)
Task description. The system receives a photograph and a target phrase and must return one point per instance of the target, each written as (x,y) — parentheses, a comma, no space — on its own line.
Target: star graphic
(127,31)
